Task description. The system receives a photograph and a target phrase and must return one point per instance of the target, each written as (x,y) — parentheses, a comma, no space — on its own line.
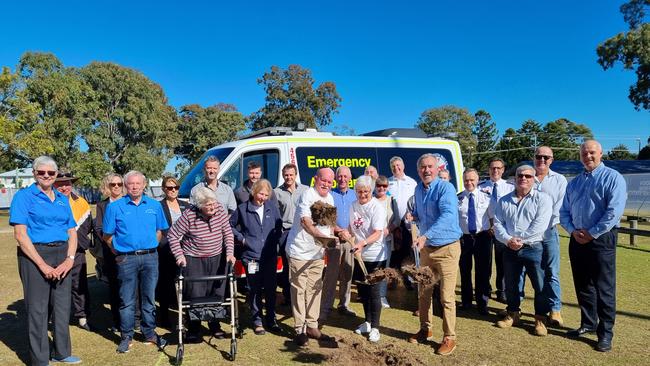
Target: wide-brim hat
(65,176)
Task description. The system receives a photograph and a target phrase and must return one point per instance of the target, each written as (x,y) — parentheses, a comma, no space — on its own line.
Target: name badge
(253,267)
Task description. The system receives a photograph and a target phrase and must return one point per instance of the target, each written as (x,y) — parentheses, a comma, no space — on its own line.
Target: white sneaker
(374,335)
(363,328)
(384,303)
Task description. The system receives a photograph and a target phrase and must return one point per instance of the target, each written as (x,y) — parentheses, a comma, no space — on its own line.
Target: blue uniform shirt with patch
(134,226)
(46,220)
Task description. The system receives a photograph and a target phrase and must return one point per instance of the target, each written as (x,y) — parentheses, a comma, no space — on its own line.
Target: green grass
(479,341)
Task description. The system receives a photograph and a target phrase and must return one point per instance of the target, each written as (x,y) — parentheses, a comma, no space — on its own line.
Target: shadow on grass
(13,332)
(303,354)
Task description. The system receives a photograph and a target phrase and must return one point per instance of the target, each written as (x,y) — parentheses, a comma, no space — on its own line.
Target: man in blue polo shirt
(340,261)
(133,228)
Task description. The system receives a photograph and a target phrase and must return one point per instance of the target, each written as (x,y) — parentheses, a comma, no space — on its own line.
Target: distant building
(17,178)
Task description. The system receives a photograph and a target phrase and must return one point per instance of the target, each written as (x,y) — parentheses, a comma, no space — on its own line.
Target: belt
(52,243)
(138,252)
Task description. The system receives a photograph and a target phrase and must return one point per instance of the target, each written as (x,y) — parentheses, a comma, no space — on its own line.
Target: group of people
(144,241)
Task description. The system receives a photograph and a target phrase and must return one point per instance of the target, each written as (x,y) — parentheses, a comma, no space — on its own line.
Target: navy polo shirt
(134,226)
(46,220)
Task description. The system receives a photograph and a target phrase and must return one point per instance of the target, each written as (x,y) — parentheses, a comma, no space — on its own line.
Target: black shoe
(575,333)
(483,310)
(345,311)
(501,297)
(604,345)
(301,339)
(465,307)
(192,338)
(274,328)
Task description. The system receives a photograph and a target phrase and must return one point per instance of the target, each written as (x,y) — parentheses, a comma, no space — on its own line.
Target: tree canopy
(631,50)
(292,99)
(485,130)
(620,152)
(450,120)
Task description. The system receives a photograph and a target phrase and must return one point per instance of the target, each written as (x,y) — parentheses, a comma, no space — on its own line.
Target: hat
(65,176)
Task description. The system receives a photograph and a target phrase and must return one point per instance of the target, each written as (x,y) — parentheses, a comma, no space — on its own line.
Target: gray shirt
(526,219)
(225,195)
(287,202)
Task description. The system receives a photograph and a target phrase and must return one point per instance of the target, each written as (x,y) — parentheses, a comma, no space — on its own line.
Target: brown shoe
(540,327)
(314,333)
(421,336)
(447,346)
(555,319)
(511,318)
(301,339)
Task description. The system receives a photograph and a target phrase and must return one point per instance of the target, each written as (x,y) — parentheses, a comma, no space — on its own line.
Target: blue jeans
(514,261)
(131,271)
(551,266)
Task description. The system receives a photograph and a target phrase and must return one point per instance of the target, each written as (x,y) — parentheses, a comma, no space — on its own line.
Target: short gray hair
(342,167)
(202,195)
(524,167)
(364,181)
(44,160)
(427,156)
(394,159)
(135,173)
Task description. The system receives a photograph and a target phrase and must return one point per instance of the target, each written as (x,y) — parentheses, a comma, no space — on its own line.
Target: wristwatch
(71,257)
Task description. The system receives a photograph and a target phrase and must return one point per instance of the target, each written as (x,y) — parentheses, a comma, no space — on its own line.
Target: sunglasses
(172,188)
(545,157)
(116,184)
(527,176)
(49,173)
(381,185)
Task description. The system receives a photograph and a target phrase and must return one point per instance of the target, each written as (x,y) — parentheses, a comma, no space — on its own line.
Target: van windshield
(195,175)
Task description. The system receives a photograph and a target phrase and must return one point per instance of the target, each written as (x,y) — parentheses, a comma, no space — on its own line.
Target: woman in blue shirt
(47,242)
(257,225)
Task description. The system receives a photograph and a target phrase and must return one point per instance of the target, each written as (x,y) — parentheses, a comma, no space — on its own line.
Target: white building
(17,178)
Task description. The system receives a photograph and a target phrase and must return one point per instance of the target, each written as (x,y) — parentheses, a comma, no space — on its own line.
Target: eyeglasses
(116,184)
(545,157)
(49,173)
(381,185)
(172,188)
(527,176)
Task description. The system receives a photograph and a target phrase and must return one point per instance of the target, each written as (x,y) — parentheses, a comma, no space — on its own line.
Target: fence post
(633,225)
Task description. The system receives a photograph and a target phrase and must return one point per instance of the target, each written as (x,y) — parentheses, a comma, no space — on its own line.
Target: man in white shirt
(401,187)
(475,244)
(306,259)
(497,187)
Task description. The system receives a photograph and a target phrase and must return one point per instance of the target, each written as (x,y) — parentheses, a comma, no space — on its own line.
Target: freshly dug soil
(422,275)
(389,274)
(323,214)
(358,351)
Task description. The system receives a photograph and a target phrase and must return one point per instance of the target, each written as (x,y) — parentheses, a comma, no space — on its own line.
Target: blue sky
(516,59)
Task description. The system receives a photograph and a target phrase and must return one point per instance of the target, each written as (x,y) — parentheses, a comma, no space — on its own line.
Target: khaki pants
(340,265)
(444,261)
(306,281)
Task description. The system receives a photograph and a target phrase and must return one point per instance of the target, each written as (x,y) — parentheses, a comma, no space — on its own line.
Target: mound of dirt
(422,275)
(355,350)
(389,274)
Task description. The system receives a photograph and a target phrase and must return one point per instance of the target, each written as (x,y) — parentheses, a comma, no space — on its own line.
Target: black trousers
(594,277)
(262,284)
(197,267)
(370,294)
(500,280)
(80,293)
(165,289)
(40,293)
(476,248)
(110,269)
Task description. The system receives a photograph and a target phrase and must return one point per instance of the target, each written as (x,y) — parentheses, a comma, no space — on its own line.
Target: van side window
(268,159)
(410,157)
(232,176)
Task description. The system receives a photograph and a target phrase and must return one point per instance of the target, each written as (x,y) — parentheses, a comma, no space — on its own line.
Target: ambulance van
(309,150)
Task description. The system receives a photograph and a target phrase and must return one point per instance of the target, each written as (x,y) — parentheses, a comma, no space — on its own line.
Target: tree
(450,120)
(202,128)
(620,152)
(485,131)
(133,126)
(631,50)
(510,149)
(644,154)
(564,137)
(292,99)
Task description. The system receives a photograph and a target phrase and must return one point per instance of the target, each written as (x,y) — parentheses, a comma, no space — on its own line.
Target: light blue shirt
(46,220)
(554,184)
(436,210)
(343,203)
(134,226)
(526,219)
(594,201)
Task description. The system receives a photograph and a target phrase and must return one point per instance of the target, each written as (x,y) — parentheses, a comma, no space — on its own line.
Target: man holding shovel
(436,213)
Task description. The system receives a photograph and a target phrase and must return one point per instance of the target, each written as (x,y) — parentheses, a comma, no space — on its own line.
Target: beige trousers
(306,278)
(444,261)
(340,265)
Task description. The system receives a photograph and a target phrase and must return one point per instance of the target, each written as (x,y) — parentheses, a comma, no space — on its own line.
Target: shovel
(416,250)
(357,256)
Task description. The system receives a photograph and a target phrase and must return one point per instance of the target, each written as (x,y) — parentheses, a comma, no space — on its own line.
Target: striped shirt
(196,236)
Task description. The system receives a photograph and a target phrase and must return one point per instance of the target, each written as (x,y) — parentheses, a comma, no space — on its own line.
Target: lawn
(479,341)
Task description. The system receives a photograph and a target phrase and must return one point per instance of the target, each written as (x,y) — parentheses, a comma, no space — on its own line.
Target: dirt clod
(388,274)
(422,275)
(354,350)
